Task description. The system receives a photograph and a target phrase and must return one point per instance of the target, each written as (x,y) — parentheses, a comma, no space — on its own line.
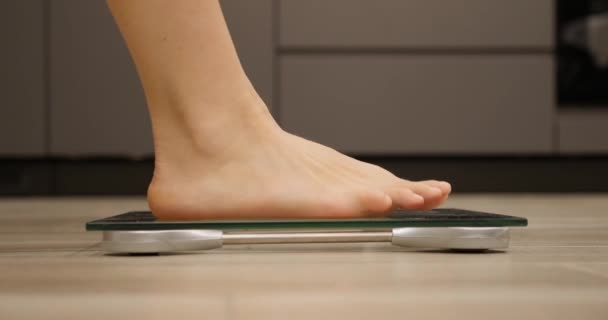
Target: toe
(405,198)
(374,201)
(353,204)
(427,192)
(445,187)
(432,195)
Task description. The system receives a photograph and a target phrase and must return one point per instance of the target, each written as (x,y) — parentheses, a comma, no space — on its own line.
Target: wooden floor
(557,268)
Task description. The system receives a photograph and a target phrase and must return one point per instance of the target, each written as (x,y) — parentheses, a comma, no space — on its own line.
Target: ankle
(210,133)
(218,132)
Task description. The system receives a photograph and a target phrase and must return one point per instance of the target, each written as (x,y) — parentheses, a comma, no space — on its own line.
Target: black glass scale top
(144,220)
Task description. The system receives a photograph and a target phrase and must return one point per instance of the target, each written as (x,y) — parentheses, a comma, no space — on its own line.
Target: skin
(219,154)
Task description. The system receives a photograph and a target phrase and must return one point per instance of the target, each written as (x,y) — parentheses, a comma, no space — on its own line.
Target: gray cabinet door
(97,103)
(430,24)
(583,131)
(251,27)
(424,104)
(22,88)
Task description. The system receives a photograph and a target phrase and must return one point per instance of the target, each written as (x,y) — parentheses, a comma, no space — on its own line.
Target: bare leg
(219,153)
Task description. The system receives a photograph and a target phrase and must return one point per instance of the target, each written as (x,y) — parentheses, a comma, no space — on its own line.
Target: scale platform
(140,232)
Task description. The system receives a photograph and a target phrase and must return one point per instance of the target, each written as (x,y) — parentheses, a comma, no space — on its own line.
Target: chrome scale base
(162,241)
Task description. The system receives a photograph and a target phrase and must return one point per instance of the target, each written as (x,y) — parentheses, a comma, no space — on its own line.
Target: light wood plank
(557,268)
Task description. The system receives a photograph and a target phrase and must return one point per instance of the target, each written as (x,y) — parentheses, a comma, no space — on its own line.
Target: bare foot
(268,173)
(219,154)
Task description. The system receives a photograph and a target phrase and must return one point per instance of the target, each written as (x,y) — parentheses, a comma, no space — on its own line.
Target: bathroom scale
(140,232)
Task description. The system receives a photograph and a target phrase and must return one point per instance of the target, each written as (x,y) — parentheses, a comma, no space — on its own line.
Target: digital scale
(141,233)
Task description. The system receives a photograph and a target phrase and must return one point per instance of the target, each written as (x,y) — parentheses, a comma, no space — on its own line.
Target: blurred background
(492,95)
